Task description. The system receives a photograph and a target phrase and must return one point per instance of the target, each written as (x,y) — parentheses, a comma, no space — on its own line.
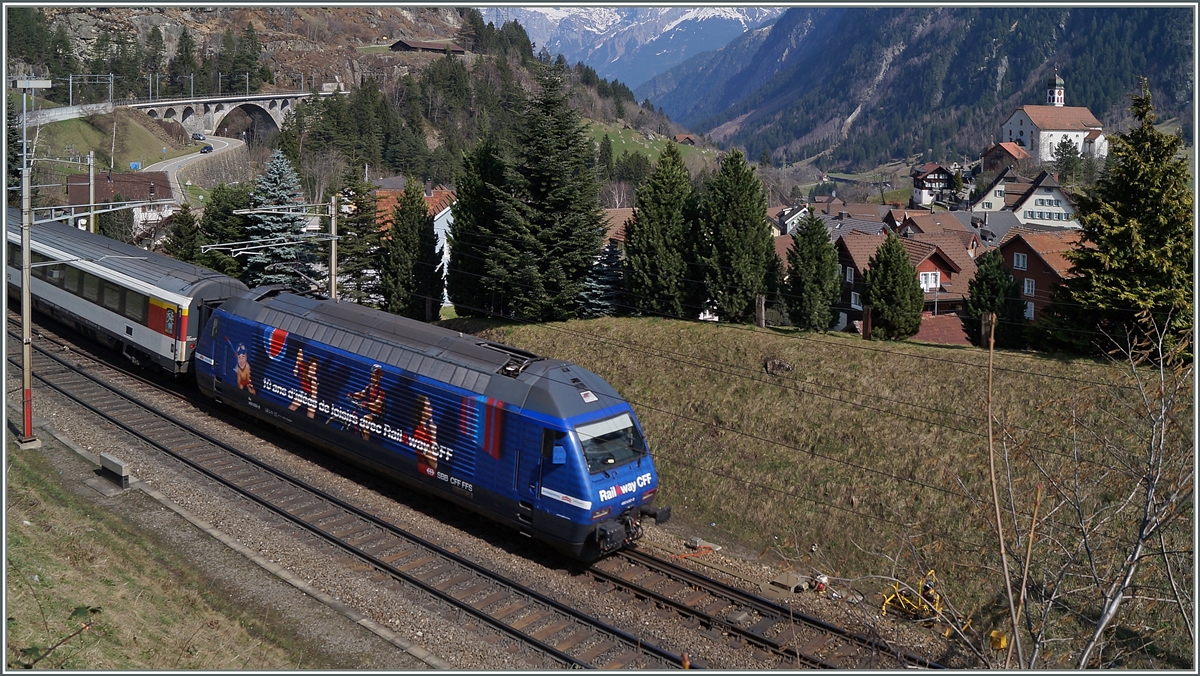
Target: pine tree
(893,292)
(219,225)
(735,239)
(482,189)
(557,204)
(1066,160)
(604,292)
(117,225)
(398,264)
(183,65)
(185,238)
(429,275)
(359,241)
(287,260)
(606,158)
(1136,251)
(813,280)
(655,240)
(993,289)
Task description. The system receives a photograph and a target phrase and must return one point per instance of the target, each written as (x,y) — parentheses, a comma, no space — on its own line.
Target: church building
(1038,129)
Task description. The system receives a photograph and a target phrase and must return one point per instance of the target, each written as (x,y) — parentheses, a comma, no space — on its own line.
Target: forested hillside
(871,84)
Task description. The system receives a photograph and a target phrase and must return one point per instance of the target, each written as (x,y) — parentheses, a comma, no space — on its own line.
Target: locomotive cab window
(610,443)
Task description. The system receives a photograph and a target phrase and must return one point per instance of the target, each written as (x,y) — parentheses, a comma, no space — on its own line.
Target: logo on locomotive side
(628,487)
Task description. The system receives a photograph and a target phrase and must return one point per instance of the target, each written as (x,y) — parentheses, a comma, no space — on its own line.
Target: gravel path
(419,625)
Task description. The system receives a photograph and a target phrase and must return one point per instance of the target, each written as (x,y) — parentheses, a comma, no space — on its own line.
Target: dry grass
(155,612)
(874,452)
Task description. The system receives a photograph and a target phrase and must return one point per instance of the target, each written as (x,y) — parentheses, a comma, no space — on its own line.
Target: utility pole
(26,440)
(333,212)
(247,83)
(219,84)
(92,191)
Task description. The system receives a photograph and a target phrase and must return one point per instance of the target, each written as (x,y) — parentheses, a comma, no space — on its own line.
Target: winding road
(172,166)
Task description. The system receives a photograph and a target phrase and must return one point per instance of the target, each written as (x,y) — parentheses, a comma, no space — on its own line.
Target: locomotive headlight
(649,495)
(601,513)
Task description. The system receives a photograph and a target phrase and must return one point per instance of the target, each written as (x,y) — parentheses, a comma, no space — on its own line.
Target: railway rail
(556,634)
(397,560)
(775,632)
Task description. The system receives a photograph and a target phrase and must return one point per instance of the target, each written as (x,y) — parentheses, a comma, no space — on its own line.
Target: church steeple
(1054,90)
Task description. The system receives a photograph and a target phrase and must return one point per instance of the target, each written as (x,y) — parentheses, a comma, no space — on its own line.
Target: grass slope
(625,139)
(876,453)
(154,610)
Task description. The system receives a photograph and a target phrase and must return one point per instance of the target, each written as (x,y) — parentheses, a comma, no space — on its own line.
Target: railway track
(555,634)
(725,613)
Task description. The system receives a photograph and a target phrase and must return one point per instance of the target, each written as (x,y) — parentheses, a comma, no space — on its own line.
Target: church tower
(1054,90)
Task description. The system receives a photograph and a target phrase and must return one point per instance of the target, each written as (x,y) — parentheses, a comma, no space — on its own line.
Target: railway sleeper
(528,619)
(573,639)
(597,650)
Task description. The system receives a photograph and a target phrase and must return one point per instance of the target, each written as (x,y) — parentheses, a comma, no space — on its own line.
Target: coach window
(71,279)
(39,272)
(14,255)
(54,274)
(112,297)
(91,287)
(135,306)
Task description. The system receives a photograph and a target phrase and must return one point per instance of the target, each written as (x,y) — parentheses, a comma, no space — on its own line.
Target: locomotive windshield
(609,443)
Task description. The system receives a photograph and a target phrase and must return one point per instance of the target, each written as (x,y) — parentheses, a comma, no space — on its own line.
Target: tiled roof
(1051,246)
(1094,134)
(1061,118)
(860,246)
(1015,150)
(614,223)
(133,186)
(386,200)
(943,330)
(936,222)
(840,226)
(952,248)
(917,251)
(782,244)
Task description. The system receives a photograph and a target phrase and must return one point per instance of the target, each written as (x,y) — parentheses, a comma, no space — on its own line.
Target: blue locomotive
(541,445)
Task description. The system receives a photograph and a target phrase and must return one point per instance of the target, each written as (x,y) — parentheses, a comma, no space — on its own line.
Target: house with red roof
(1036,260)
(944,273)
(1004,154)
(1038,129)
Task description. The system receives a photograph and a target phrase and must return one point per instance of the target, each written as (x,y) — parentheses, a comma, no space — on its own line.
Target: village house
(944,275)
(932,182)
(1036,261)
(685,139)
(786,218)
(141,186)
(1038,201)
(917,224)
(1006,154)
(614,227)
(1038,129)
(438,200)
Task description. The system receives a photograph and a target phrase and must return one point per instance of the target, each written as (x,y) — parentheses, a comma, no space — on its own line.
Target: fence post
(866,322)
(760,311)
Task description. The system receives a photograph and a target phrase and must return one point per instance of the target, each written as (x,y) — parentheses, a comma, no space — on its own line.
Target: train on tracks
(541,445)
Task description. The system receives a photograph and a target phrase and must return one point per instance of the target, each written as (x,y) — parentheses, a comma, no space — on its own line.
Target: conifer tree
(117,225)
(813,280)
(606,158)
(993,289)
(429,275)
(287,260)
(655,240)
(604,292)
(736,239)
(398,263)
(557,206)
(359,241)
(219,225)
(1136,251)
(482,186)
(1066,161)
(893,292)
(185,239)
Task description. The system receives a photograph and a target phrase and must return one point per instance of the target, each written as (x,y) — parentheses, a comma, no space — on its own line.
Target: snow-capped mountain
(632,44)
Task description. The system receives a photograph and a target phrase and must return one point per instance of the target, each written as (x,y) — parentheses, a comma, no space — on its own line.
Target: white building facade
(1038,129)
